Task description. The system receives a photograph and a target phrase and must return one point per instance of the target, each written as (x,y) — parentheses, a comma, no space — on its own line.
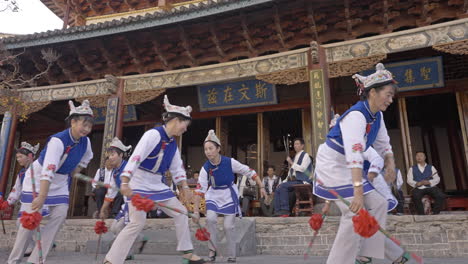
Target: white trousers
(124,241)
(229,231)
(348,244)
(117,226)
(58,214)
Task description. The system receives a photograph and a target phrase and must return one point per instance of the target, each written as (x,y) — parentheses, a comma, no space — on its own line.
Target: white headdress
(212,137)
(380,77)
(185,111)
(116,143)
(25,145)
(83,109)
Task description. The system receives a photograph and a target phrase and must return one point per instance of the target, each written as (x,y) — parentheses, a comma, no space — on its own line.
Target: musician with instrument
(423,178)
(300,169)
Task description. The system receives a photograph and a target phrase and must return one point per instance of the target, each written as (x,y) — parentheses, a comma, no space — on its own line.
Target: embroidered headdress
(212,137)
(116,143)
(33,149)
(83,109)
(180,110)
(379,78)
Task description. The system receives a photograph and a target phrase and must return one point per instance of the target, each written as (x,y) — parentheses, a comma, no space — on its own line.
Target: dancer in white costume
(340,164)
(216,183)
(65,153)
(156,153)
(24,156)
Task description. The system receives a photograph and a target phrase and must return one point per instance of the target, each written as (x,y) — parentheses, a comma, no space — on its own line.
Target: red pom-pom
(365,224)
(4,205)
(142,204)
(316,221)
(30,221)
(100,227)
(202,234)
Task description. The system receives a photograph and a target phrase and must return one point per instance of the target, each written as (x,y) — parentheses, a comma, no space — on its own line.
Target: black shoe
(130,257)
(27,254)
(188,261)
(143,244)
(231,260)
(213,257)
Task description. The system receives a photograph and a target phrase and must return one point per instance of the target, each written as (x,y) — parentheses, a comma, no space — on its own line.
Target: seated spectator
(194,179)
(423,178)
(395,186)
(247,192)
(270,182)
(102,175)
(299,172)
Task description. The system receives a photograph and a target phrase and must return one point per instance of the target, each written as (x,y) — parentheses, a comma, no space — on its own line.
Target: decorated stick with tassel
(383,231)
(98,183)
(38,232)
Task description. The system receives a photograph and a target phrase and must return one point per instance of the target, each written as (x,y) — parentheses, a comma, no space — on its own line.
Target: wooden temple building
(254,70)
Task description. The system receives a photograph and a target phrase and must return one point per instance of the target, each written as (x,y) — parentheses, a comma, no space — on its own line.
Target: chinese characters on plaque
(236,95)
(417,74)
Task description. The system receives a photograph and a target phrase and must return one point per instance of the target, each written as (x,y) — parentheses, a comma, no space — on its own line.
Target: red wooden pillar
(10,150)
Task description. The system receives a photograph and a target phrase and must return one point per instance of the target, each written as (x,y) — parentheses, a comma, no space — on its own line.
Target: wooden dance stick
(38,231)
(383,231)
(101,184)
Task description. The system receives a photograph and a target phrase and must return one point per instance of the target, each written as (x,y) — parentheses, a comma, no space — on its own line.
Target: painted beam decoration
(101,112)
(417,74)
(317,92)
(240,94)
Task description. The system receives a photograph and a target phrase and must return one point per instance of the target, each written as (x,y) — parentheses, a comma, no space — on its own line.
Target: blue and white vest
(334,137)
(21,175)
(75,154)
(170,147)
(303,176)
(425,175)
(222,177)
(335,141)
(116,173)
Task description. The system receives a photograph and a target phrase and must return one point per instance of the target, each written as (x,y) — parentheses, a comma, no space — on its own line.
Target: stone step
(163,241)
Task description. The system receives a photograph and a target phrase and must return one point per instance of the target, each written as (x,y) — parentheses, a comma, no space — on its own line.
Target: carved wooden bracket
(459,47)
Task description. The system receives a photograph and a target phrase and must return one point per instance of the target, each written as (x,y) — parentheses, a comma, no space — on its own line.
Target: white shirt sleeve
(435,178)
(111,192)
(16,191)
(88,156)
(353,129)
(382,142)
(375,160)
(202,185)
(305,163)
(409,178)
(242,169)
(399,181)
(52,158)
(96,177)
(177,168)
(147,143)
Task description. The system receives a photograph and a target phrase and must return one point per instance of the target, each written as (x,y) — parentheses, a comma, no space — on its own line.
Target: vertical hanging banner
(109,127)
(318,105)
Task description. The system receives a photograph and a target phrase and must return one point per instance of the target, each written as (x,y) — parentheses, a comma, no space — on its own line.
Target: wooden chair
(304,202)
(453,203)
